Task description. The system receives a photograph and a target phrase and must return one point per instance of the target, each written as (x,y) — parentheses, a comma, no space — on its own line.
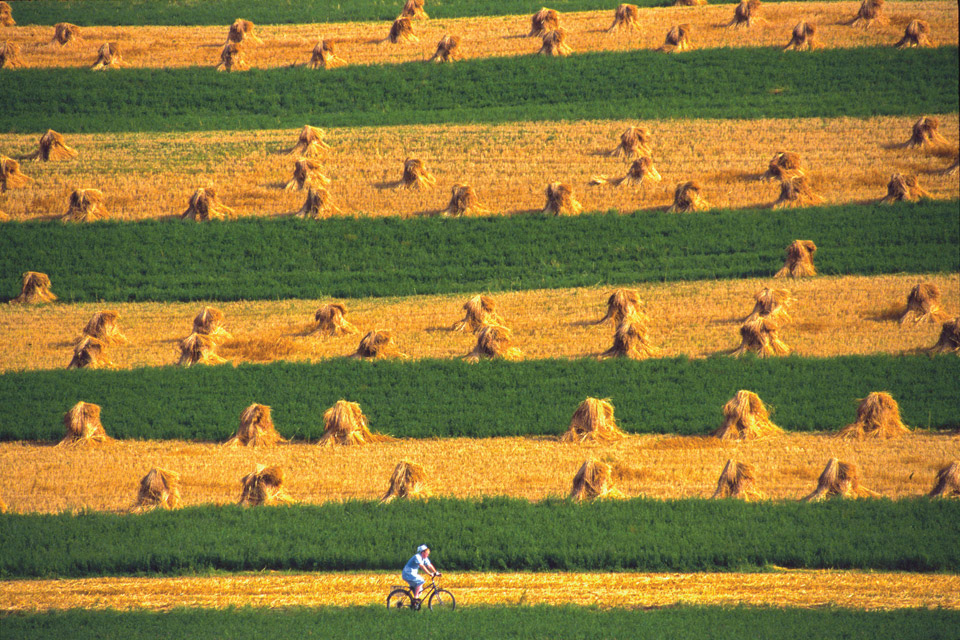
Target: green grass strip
(192,12)
(717,83)
(443,398)
(259,258)
(469,622)
(496,534)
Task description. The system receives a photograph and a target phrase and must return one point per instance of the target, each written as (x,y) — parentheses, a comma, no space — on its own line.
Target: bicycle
(401,597)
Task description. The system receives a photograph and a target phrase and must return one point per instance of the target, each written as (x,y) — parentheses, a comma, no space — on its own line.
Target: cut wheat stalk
(204,205)
(89,353)
(761,336)
(242,31)
(746,14)
(917,34)
(448,49)
(263,487)
(256,429)
(923,304)
(626,16)
(593,421)
(783,166)
(690,3)
(803,37)
(86,205)
(870,11)
(324,56)
(401,31)
(745,417)
(309,142)
(678,39)
(198,348)
(464,202)
(306,173)
(35,289)
(554,44)
(209,322)
(796,192)
(6,15)
(560,200)
(344,424)
(108,57)
(737,480)
(494,341)
(631,340)
(771,303)
(948,482)
(878,416)
(593,481)
(331,319)
(52,147)
(543,21)
(949,340)
(159,489)
(3,506)
(799,262)
(479,311)
(415,175)
(640,172)
(408,481)
(413,9)
(10,175)
(231,58)
(953,169)
(378,344)
(925,134)
(623,304)
(83,426)
(687,197)
(65,33)
(317,205)
(105,327)
(634,144)
(839,479)
(10,55)
(903,187)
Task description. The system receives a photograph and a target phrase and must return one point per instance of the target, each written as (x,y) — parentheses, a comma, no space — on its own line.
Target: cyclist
(410,574)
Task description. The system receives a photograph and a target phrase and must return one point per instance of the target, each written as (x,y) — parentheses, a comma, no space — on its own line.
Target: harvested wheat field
(845,160)
(798,588)
(483,37)
(831,316)
(43,478)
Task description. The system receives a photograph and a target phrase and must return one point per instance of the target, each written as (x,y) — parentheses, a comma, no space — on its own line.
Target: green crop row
(259,258)
(640,85)
(496,534)
(443,398)
(467,623)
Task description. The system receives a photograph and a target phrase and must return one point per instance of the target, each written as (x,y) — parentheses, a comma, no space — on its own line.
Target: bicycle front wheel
(442,600)
(400,599)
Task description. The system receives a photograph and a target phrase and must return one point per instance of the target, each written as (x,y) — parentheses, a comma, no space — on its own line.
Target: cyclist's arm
(431,570)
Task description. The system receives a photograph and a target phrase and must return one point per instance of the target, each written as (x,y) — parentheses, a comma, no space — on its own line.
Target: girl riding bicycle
(411,570)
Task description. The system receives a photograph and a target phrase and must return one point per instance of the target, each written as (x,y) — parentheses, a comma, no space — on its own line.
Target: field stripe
(847,589)
(484,37)
(718,83)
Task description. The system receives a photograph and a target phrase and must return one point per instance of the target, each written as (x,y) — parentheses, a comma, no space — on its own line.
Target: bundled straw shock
(305,174)
(746,14)
(917,34)
(204,205)
(409,481)
(448,49)
(870,11)
(760,336)
(464,202)
(89,353)
(626,16)
(52,147)
(263,487)
(745,417)
(108,57)
(803,37)
(104,327)
(640,171)
(231,58)
(737,481)
(158,489)
(345,424)
(86,205)
(543,21)
(903,187)
(65,33)
(839,479)
(554,44)
(416,176)
(678,39)
(480,311)
(401,31)
(623,304)
(631,340)
(309,142)
(378,344)
(414,9)
(6,15)
(948,482)
(256,428)
(593,421)
(209,322)
(324,56)
(318,204)
(925,133)
(949,341)
(331,319)
(83,426)
(494,341)
(799,262)
(783,166)
(560,200)
(35,289)
(10,55)
(923,304)
(771,303)
(634,143)
(198,348)
(878,416)
(242,31)
(10,176)
(593,480)
(796,192)
(687,198)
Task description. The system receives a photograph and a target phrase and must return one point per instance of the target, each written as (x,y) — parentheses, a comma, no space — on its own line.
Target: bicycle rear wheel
(442,600)
(400,599)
